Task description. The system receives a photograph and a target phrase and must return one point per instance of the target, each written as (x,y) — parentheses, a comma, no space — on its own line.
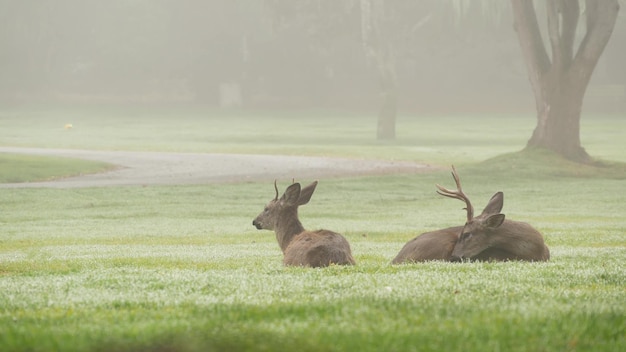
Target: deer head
(475,236)
(281,214)
(481,232)
(489,237)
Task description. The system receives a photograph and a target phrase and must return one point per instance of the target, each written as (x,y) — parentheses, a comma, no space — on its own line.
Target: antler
(276,188)
(458,194)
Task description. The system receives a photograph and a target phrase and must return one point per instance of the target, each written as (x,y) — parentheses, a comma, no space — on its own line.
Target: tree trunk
(387,116)
(379,50)
(559,105)
(559,81)
(388,93)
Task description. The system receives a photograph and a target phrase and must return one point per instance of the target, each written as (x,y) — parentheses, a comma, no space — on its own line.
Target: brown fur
(489,237)
(502,241)
(435,245)
(300,247)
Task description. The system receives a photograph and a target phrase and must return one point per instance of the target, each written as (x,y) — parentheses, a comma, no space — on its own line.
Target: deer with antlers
(489,236)
(301,247)
(485,237)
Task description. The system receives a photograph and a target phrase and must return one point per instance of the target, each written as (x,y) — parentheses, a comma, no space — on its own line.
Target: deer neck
(287,228)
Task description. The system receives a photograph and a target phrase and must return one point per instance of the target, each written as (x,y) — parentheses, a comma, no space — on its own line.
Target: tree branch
(601,18)
(553,8)
(533,50)
(562,22)
(571,13)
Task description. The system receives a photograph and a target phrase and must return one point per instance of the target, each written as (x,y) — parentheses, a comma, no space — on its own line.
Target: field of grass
(437,139)
(28,168)
(181,268)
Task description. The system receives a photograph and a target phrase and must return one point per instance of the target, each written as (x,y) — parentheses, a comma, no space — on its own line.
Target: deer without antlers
(489,236)
(301,247)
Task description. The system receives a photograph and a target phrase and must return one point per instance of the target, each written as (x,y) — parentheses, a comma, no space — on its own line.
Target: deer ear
(495,204)
(494,221)
(291,195)
(306,193)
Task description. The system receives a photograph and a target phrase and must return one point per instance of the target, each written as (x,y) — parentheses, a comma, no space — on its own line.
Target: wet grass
(29,168)
(110,269)
(181,268)
(540,163)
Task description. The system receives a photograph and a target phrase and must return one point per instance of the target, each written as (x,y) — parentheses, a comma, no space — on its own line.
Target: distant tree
(559,79)
(379,49)
(311,55)
(33,49)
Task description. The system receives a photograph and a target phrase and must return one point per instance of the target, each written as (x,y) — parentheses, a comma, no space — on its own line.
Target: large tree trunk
(559,103)
(379,50)
(559,81)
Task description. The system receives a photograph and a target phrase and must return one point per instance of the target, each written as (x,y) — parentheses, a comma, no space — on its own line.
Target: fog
(276,54)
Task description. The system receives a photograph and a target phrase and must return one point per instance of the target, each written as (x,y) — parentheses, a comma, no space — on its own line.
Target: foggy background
(450,56)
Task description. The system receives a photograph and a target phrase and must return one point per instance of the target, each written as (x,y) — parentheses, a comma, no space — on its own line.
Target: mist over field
(448,56)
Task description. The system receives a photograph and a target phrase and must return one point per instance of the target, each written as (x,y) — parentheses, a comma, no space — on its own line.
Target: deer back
(434,245)
(318,249)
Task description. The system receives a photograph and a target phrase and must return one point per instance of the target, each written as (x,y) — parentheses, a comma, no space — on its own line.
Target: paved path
(156,168)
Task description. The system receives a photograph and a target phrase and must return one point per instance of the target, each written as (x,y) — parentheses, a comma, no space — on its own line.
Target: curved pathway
(158,168)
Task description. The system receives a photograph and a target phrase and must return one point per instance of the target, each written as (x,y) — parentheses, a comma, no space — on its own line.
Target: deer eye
(465,236)
(266,209)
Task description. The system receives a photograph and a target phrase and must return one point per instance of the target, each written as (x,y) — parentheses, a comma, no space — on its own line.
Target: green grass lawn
(181,268)
(29,168)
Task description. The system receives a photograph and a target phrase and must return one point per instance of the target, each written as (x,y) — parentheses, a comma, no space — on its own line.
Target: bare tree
(559,79)
(379,49)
